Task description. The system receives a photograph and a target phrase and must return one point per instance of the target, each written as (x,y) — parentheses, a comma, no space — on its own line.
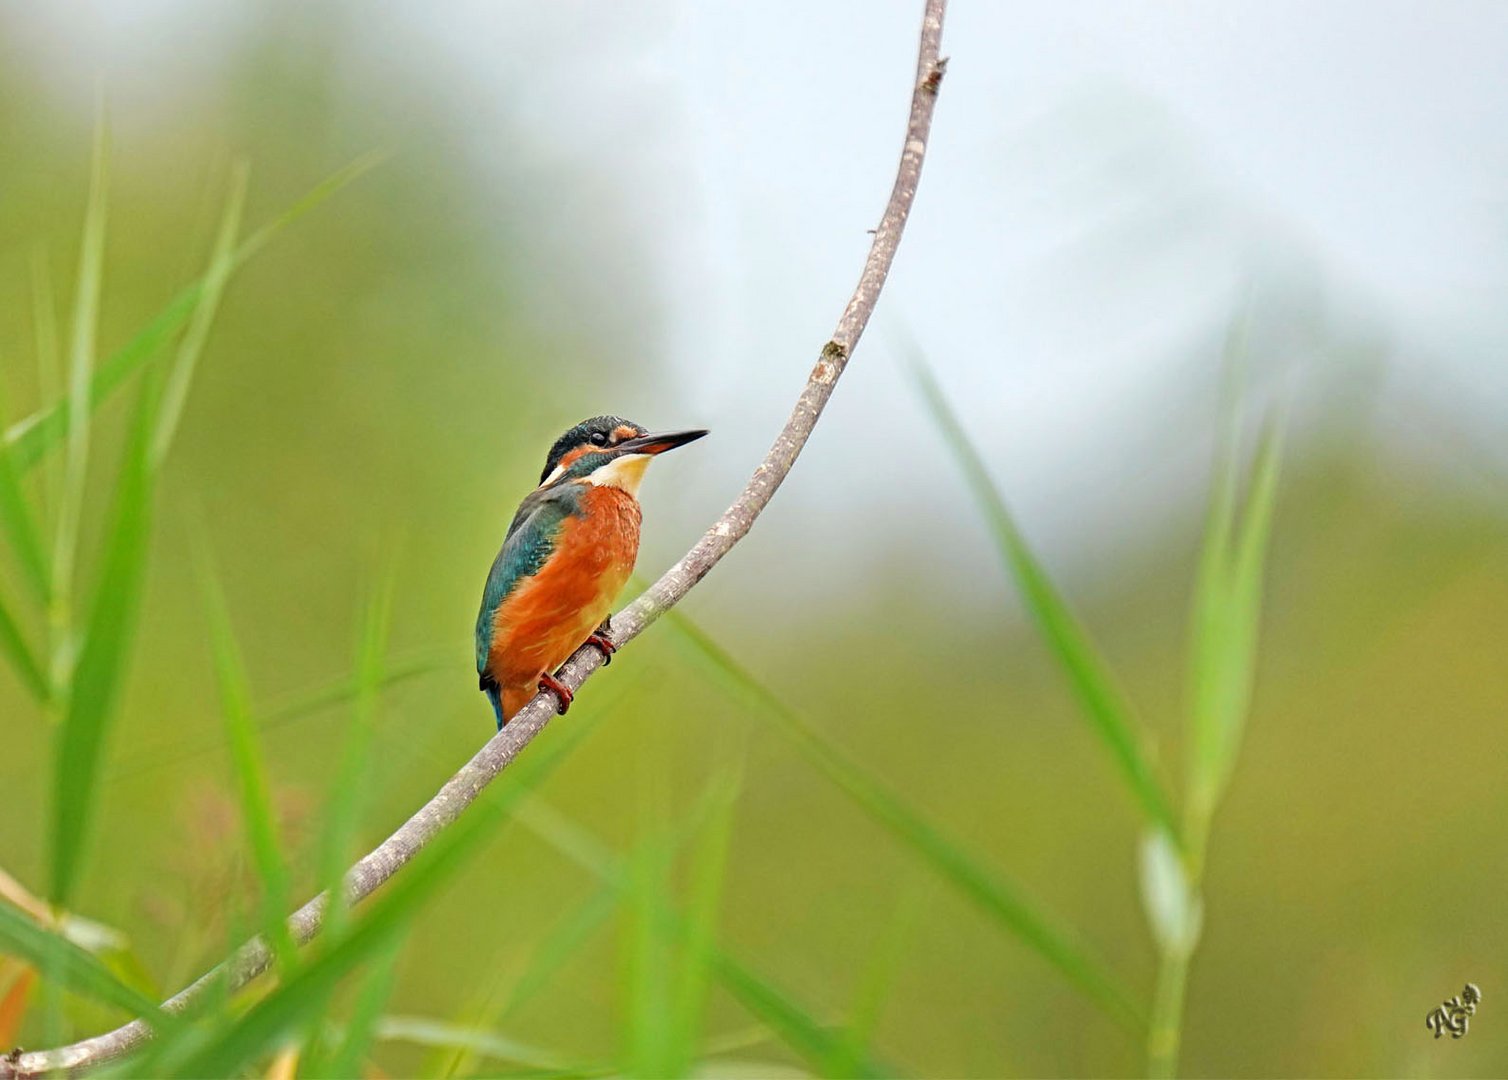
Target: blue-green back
(531,540)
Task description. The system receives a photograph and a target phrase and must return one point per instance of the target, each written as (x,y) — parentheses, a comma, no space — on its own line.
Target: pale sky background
(1104,178)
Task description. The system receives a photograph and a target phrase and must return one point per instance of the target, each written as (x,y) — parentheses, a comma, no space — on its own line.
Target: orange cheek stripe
(574,455)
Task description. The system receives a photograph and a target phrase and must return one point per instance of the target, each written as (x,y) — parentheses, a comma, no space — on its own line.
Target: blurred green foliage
(685,872)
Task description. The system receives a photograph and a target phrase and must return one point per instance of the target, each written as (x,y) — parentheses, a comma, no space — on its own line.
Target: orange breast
(549,615)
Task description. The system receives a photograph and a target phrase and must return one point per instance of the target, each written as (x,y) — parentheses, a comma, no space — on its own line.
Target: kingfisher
(568,553)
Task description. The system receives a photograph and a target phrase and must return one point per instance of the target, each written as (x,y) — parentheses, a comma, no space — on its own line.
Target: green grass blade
(1227,614)
(997,897)
(708,866)
(647,985)
(81,356)
(95,937)
(77,970)
(731,1042)
(874,989)
(440,1035)
(289,711)
(1251,546)
(366,1014)
(1208,630)
(251,776)
(32,437)
(287,1007)
(111,631)
(815,1041)
(221,265)
(343,807)
(345,691)
(818,1043)
(575,843)
(18,521)
(566,937)
(1109,711)
(44,319)
(127,965)
(986,888)
(341,178)
(22,658)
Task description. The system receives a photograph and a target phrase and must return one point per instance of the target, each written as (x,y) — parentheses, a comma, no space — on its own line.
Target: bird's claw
(605,645)
(559,689)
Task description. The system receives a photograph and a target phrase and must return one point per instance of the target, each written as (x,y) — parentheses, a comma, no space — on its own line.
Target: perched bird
(567,554)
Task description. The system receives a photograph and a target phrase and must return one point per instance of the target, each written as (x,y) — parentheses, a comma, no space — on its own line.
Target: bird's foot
(603,643)
(559,689)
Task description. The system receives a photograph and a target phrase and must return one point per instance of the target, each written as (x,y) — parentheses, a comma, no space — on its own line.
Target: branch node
(830,366)
(935,77)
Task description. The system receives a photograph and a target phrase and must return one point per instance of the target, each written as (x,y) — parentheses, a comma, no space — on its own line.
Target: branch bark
(253,958)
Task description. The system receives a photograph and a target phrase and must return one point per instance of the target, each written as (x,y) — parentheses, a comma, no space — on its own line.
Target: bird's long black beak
(658,442)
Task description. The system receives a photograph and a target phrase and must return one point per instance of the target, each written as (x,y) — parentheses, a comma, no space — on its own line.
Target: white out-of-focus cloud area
(1109,185)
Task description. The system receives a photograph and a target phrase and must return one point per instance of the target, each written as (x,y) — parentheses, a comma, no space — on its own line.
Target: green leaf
(1000,899)
(93,683)
(288,1006)
(344,803)
(221,265)
(815,1041)
(96,679)
(874,989)
(124,962)
(648,1052)
(668,979)
(81,358)
(18,521)
(344,691)
(567,935)
(1208,630)
(290,710)
(708,866)
(1226,617)
(1246,587)
(246,758)
(77,970)
(44,319)
(21,656)
(37,434)
(818,1043)
(366,1016)
(33,437)
(1104,704)
(439,1034)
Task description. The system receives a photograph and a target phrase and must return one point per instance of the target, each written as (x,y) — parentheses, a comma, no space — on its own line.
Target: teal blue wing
(531,538)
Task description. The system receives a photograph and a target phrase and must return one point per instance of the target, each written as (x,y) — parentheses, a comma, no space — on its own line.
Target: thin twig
(461,789)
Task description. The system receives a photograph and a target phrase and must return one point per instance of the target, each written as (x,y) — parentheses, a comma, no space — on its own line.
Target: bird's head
(610,451)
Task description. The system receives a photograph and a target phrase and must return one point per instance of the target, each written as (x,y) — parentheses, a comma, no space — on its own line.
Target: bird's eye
(600,438)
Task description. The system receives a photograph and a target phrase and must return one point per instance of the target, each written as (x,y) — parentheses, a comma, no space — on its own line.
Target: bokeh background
(658,210)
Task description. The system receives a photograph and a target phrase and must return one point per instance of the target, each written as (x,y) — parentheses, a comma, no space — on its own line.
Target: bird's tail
(495,695)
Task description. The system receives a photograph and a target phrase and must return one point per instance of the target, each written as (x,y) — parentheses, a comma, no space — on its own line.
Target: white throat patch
(624,473)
